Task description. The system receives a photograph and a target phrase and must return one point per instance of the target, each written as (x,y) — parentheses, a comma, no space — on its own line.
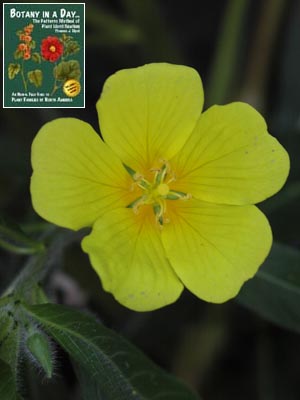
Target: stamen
(137,176)
(144,184)
(173,178)
(154,169)
(136,204)
(176,195)
(157,192)
(160,176)
(188,196)
(132,186)
(159,210)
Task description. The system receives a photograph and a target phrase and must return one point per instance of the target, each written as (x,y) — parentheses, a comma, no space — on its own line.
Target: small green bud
(39,347)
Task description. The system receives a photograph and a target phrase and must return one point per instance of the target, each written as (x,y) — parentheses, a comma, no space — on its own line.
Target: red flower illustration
(51,48)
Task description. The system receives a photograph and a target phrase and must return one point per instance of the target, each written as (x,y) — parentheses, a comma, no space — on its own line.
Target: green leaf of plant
(12,238)
(90,388)
(32,44)
(274,292)
(67,70)
(18,54)
(10,339)
(35,77)
(36,57)
(13,70)
(71,46)
(120,369)
(25,286)
(7,383)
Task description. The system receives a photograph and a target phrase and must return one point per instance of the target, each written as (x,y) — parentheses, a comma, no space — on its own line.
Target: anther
(173,178)
(188,196)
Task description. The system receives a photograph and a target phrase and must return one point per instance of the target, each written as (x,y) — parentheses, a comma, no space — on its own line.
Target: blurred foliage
(244,51)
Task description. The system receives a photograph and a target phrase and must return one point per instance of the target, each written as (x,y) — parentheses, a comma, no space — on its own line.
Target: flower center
(162,189)
(157,192)
(52,48)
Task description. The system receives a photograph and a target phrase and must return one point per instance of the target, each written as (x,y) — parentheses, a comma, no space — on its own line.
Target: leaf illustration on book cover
(36,57)
(67,70)
(32,44)
(18,54)
(35,77)
(13,70)
(71,46)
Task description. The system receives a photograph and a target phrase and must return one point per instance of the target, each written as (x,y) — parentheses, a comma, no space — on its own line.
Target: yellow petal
(214,249)
(147,113)
(127,254)
(76,175)
(230,158)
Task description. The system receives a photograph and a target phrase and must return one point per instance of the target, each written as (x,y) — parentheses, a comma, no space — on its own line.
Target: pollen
(52,49)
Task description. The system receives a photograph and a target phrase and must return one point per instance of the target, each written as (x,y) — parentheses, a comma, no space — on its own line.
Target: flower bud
(39,347)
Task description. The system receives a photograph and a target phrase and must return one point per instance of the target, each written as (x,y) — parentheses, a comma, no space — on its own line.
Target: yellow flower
(169,193)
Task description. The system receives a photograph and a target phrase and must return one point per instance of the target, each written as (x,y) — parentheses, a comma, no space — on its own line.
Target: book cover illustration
(44,61)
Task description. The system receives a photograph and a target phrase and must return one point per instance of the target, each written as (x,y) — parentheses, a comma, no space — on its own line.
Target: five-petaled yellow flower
(169,193)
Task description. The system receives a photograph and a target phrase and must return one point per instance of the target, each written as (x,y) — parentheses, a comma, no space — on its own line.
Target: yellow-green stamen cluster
(157,192)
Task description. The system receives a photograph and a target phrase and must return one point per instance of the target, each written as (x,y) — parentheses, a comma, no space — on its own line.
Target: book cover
(43,55)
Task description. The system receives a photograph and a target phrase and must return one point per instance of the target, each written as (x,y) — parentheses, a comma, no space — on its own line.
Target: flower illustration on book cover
(24,53)
(53,49)
(66,70)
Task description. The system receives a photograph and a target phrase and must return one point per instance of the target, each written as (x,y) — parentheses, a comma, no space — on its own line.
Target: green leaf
(67,70)
(10,339)
(71,46)
(32,44)
(36,57)
(25,285)
(35,77)
(13,70)
(7,383)
(18,54)
(13,239)
(90,388)
(274,292)
(120,369)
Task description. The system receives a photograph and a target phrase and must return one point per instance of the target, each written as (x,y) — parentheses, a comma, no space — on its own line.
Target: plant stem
(23,77)
(55,87)
(18,243)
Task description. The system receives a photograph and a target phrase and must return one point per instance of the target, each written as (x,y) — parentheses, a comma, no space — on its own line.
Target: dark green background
(11,41)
